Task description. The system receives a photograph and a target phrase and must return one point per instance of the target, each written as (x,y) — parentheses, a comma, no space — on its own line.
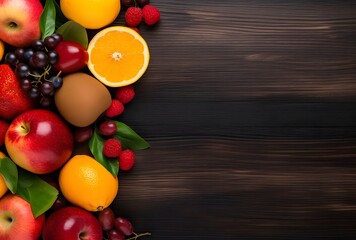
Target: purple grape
(52,57)
(38,45)
(25,84)
(34,92)
(47,89)
(11,58)
(107,128)
(123,225)
(22,70)
(19,52)
(58,37)
(50,42)
(115,235)
(56,81)
(46,101)
(106,218)
(28,54)
(39,60)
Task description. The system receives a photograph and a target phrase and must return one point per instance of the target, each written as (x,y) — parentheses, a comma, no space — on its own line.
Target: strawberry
(12,98)
(133,16)
(115,109)
(151,14)
(3,128)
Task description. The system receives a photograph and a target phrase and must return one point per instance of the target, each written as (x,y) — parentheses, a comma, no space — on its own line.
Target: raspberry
(125,94)
(112,148)
(115,109)
(133,16)
(151,14)
(126,159)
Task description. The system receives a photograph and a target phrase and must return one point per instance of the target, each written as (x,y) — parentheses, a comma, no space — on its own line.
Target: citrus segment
(86,183)
(118,56)
(3,186)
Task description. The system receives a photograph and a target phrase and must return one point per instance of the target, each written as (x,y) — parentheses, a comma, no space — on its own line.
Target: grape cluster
(34,68)
(117,228)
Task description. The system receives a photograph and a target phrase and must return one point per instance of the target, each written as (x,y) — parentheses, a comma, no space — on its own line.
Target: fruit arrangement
(61,90)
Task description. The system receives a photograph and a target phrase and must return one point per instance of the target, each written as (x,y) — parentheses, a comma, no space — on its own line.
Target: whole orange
(86,183)
(2,49)
(3,186)
(93,14)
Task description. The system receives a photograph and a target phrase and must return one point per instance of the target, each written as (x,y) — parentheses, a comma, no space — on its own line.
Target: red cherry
(72,56)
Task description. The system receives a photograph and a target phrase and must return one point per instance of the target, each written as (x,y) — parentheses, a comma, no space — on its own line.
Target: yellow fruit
(86,183)
(2,49)
(93,14)
(3,187)
(118,56)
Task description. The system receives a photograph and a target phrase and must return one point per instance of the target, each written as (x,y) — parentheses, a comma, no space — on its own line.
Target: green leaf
(8,170)
(73,31)
(129,138)
(36,191)
(48,19)
(60,18)
(96,145)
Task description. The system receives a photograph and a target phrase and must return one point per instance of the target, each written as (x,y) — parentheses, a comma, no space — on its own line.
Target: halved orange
(118,56)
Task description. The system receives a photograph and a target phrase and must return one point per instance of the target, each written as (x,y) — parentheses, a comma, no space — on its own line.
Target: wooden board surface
(249,107)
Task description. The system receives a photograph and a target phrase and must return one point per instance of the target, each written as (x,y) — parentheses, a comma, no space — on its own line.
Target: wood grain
(249,109)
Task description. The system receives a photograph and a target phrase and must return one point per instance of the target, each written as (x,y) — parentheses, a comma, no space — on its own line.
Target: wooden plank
(229,188)
(249,108)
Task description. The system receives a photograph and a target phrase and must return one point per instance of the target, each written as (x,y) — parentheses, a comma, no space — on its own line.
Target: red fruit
(107,128)
(126,159)
(115,235)
(72,56)
(133,16)
(106,218)
(17,220)
(3,128)
(123,225)
(83,134)
(72,223)
(112,148)
(115,109)
(142,2)
(125,94)
(13,100)
(151,14)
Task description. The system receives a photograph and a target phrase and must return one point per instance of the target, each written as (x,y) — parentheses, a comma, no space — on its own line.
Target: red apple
(72,223)
(19,21)
(17,220)
(39,141)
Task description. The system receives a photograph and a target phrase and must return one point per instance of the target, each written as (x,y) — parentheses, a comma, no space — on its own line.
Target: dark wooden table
(249,107)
